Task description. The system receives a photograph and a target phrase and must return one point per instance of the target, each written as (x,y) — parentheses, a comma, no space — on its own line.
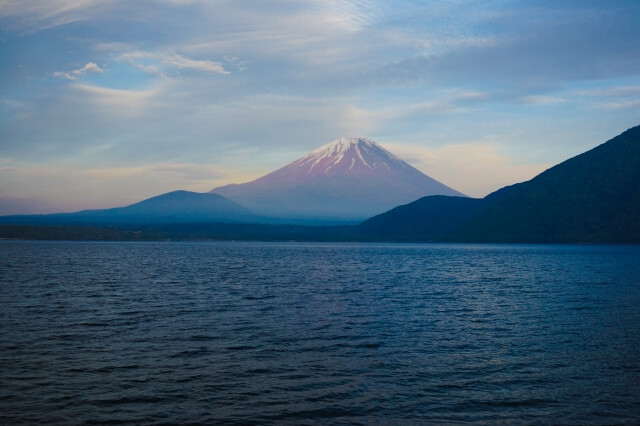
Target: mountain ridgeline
(591,198)
(172,207)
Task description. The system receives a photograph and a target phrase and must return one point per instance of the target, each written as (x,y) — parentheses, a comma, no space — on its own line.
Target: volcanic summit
(347,179)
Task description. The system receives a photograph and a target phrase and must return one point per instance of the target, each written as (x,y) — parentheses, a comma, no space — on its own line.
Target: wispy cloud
(119,102)
(43,7)
(352,13)
(563,44)
(90,67)
(617,105)
(541,100)
(612,98)
(611,91)
(171,60)
(237,62)
(37,15)
(198,65)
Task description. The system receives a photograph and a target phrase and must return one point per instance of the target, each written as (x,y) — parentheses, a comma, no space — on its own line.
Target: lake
(227,332)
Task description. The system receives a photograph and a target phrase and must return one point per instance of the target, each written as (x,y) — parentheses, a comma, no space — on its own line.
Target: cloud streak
(37,15)
(90,67)
(172,60)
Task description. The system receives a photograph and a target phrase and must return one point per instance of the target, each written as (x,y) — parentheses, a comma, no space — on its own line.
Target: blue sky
(104,103)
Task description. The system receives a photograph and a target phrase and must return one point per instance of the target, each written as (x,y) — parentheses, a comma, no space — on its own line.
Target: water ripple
(236,333)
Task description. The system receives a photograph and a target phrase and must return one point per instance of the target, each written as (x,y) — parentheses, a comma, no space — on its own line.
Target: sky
(106,102)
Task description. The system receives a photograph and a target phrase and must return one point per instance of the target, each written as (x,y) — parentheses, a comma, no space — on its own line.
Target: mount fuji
(348,179)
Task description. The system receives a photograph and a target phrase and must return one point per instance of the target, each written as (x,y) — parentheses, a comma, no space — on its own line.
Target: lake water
(148,333)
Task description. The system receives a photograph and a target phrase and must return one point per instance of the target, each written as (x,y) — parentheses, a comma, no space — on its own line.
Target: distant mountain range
(345,181)
(349,178)
(591,198)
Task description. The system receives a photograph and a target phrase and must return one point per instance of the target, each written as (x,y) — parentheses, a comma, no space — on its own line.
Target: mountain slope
(350,178)
(429,218)
(172,207)
(432,218)
(593,197)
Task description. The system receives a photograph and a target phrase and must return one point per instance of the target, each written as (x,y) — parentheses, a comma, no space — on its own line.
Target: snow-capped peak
(347,155)
(342,145)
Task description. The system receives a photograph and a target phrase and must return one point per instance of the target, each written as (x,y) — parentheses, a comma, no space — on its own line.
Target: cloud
(617,105)
(37,15)
(237,62)
(541,100)
(90,67)
(91,124)
(172,60)
(612,98)
(124,104)
(292,36)
(532,47)
(198,65)
(611,91)
(188,174)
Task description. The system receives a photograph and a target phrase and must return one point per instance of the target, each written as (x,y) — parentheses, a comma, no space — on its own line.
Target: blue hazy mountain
(593,197)
(172,207)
